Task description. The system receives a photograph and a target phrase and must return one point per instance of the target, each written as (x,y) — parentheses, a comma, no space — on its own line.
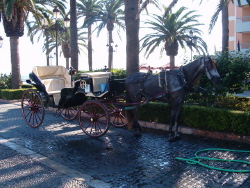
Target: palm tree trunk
(225,30)
(73,35)
(90,47)
(67,63)
(15,62)
(172,62)
(132,22)
(132,8)
(110,56)
(47,48)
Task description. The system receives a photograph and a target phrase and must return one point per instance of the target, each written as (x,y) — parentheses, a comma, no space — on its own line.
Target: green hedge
(206,118)
(11,94)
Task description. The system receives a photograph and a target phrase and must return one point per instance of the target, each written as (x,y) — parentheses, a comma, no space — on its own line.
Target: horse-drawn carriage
(93,98)
(96,98)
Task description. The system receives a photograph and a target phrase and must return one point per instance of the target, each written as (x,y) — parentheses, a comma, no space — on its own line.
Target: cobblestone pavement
(59,154)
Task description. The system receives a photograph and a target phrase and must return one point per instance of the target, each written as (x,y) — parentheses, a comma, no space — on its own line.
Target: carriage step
(130,107)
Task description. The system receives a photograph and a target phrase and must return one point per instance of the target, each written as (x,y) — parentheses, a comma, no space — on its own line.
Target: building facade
(239,26)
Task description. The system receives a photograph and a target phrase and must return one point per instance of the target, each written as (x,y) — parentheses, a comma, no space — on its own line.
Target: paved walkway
(59,154)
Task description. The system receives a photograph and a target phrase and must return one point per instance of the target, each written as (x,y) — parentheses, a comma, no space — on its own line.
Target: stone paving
(59,154)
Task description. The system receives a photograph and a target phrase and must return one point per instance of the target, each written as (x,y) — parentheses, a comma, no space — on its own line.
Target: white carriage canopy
(54,78)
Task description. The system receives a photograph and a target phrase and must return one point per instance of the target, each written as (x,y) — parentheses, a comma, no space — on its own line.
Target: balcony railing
(243,19)
(244,46)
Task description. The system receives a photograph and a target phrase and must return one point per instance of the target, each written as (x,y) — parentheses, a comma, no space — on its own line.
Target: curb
(10,101)
(198,132)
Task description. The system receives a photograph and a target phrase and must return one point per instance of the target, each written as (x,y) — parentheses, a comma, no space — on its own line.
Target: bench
(55,78)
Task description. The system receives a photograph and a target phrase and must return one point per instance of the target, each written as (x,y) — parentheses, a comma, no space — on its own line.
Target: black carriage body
(116,87)
(70,98)
(93,92)
(101,84)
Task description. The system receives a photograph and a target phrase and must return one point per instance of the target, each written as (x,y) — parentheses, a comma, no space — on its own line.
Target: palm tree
(111,15)
(73,34)
(170,30)
(14,14)
(64,43)
(90,9)
(223,8)
(132,22)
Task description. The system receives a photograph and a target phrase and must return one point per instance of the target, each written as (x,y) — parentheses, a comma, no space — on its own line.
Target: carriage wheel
(69,113)
(94,118)
(32,108)
(117,115)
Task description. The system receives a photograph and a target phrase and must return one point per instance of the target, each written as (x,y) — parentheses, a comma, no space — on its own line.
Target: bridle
(207,70)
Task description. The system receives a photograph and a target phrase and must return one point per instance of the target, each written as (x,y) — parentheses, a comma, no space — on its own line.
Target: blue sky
(32,55)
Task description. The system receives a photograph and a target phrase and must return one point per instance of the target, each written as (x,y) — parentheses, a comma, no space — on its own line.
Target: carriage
(94,98)
(97,98)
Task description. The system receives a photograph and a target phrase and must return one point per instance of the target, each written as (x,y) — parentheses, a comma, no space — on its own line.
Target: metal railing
(243,19)
(245,45)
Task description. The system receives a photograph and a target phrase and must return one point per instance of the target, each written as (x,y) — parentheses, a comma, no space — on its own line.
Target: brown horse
(172,86)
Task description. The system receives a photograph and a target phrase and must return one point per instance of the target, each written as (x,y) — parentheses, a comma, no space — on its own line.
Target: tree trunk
(90,47)
(73,35)
(110,52)
(132,7)
(67,63)
(172,62)
(47,48)
(132,23)
(225,30)
(15,63)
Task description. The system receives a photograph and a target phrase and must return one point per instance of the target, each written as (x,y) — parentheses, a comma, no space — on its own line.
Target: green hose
(197,160)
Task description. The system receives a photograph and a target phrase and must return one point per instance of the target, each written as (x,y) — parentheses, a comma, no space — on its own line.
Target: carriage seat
(98,78)
(55,78)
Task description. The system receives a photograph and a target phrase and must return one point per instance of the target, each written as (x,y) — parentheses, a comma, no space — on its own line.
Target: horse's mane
(197,80)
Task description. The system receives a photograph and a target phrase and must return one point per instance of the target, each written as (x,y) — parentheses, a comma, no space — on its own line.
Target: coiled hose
(197,160)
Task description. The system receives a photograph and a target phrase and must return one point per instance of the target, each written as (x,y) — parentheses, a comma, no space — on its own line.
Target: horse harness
(162,77)
(163,81)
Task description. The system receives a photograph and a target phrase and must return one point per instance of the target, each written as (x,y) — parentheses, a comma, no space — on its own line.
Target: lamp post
(56,27)
(1,41)
(51,58)
(55,15)
(111,49)
(191,41)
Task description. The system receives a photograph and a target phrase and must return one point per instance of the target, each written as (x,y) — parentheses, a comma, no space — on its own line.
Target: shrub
(11,94)
(27,86)
(234,69)
(213,119)
(5,81)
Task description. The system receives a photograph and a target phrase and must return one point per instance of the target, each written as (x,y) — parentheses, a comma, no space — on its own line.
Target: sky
(31,54)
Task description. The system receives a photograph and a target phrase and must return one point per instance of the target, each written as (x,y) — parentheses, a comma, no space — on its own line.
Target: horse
(172,86)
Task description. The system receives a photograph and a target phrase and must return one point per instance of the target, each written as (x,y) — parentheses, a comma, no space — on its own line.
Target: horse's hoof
(172,139)
(137,134)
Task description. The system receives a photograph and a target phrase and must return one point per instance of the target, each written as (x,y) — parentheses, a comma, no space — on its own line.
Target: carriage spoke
(32,108)
(93,118)
(116,115)
(69,113)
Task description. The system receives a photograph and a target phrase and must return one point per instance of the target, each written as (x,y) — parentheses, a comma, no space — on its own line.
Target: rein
(129,106)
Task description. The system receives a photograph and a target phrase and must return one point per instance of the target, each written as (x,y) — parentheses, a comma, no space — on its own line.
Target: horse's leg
(176,107)
(131,99)
(136,124)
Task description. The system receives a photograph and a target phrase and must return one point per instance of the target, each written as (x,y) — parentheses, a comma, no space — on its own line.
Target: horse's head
(211,70)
